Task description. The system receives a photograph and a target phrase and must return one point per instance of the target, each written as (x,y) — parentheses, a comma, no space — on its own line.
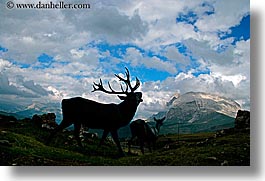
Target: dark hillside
(22,143)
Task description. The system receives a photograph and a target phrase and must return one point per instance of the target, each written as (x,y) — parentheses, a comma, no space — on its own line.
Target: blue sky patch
(180,46)
(199,72)
(117,50)
(3,49)
(44,61)
(239,32)
(210,9)
(190,17)
(147,74)
(20,64)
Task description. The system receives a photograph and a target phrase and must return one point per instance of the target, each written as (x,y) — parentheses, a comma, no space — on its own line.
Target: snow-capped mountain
(200,100)
(197,112)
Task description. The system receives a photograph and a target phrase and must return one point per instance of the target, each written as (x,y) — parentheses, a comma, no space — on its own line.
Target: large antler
(99,86)
(127,80)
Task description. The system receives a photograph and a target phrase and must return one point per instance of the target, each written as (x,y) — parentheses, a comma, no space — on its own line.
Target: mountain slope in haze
(198,112)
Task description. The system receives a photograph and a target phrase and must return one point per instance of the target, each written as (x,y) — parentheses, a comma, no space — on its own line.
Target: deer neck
(127,110)
(155,131)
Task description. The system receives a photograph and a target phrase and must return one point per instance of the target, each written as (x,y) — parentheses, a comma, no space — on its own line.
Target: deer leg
(150,146)
(130,143)
(129,146)
(142,145)
(76,133)
(105,134)
(154,145)
(64,124)
(115,137)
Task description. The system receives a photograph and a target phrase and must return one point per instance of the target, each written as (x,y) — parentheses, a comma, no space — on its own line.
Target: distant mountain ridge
(35,108)
(204,100)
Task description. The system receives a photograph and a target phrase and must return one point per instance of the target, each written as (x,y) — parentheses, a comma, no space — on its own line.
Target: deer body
(109,117)
(141,130)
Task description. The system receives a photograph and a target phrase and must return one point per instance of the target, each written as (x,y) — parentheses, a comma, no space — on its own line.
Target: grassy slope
(26,147)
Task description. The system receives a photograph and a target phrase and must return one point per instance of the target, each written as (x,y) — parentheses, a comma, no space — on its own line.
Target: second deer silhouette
(141,130)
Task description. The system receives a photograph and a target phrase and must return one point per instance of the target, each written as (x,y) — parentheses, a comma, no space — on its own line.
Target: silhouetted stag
(145,133)
(109,117)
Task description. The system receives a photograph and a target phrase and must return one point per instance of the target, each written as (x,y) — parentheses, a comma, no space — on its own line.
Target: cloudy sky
(172,46)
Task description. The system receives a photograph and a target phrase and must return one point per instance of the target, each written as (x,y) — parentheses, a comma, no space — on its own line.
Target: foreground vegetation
(22,143)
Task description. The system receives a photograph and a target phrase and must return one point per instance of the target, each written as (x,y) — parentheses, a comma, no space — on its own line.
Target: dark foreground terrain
(22,143)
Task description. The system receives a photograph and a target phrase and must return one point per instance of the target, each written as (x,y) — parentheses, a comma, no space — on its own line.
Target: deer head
(132,95)
(159,123)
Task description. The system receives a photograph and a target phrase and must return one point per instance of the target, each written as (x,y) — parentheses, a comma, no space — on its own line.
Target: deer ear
(122,97)
(159,120)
